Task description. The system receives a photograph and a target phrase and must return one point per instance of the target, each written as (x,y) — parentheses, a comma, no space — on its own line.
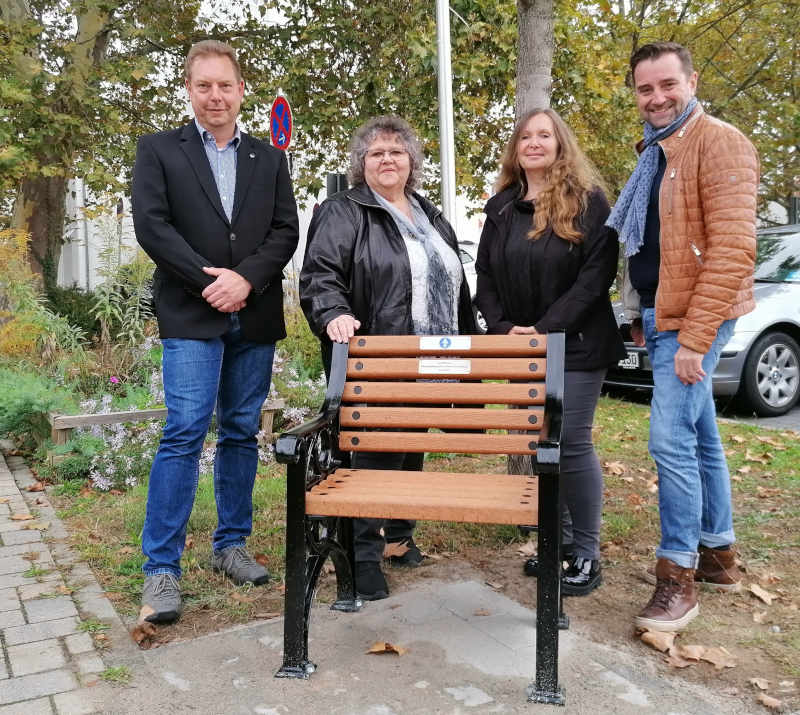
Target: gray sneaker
(161,599)
(239,566)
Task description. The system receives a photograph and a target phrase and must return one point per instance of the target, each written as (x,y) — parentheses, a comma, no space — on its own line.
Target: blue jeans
(694,489)
(235,375)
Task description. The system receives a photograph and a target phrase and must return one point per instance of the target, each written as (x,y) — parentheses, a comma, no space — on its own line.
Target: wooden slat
(483,498)
(450,367)
(480,345)
(465,443)
(436,393)
(442,417)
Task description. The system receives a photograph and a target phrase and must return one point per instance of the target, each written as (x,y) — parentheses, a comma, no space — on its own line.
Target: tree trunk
(535,58)
(39,211)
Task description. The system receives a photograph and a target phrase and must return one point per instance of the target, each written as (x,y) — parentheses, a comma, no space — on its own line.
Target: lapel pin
(252,156)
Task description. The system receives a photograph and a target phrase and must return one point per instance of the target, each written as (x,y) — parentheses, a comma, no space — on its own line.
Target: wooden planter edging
(61,426)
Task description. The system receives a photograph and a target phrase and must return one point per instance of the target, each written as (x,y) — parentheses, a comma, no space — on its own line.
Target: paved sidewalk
(48,603)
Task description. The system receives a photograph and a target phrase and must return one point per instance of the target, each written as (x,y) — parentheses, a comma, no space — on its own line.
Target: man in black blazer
(213,207)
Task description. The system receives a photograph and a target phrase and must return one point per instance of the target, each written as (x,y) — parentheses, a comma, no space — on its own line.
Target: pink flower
(113,380)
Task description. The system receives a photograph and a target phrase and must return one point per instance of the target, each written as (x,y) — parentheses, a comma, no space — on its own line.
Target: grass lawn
(765,469)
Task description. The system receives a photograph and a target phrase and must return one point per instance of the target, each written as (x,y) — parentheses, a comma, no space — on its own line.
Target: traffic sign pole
(446,143)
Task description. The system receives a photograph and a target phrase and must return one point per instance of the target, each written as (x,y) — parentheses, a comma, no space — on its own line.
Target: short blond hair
(211,47)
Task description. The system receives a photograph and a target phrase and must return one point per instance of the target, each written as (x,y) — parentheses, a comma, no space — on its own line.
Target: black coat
(572,283)
(180,223)
(356,263)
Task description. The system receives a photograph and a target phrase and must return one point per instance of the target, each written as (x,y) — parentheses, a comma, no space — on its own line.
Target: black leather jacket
(356,263)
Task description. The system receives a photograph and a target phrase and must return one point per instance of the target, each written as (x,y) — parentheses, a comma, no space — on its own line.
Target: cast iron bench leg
(548,595)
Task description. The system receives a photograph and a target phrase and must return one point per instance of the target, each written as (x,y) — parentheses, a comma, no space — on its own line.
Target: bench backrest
(396,387)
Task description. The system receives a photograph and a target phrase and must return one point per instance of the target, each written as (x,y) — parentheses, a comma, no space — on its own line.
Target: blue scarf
(630,211)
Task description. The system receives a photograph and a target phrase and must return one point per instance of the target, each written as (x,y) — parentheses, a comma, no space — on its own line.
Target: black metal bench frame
(311,452)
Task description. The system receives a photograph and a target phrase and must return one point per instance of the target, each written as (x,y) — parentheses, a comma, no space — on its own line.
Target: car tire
(771,378)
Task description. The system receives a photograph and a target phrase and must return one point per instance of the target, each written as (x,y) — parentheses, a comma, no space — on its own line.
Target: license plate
(631,362)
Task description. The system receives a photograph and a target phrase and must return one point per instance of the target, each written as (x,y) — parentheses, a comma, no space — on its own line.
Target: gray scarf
(630,211)
(440,290)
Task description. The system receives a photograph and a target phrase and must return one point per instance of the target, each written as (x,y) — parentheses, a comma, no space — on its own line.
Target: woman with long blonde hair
(546,262)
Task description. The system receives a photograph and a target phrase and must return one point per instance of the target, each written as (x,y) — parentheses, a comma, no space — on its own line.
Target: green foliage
(301,346)
(25,400)
(75,305)
(71,461)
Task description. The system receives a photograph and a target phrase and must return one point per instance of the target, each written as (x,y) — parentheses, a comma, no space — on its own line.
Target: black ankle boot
(531,566)
(370,582)
(582,577)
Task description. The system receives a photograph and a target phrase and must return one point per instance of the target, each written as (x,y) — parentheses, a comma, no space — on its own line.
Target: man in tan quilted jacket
(686,219)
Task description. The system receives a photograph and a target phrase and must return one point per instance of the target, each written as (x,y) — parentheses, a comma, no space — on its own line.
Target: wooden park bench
(383,394)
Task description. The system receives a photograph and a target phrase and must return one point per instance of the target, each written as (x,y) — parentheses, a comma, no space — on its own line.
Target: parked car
(761,363)
(468,262)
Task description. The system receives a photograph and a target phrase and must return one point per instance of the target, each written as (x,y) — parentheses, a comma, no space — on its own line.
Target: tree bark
(39,211)
(535,57)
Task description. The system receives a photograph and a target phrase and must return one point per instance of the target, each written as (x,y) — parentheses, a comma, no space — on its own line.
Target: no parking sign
(280,122)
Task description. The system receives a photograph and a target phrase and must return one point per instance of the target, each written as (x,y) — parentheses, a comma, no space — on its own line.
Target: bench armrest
(288,447)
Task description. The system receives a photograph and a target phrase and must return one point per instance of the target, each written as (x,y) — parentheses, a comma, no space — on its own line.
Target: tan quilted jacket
(707,207)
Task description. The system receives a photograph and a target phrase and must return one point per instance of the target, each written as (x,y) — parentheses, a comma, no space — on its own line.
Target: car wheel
(771,381)
(480,321)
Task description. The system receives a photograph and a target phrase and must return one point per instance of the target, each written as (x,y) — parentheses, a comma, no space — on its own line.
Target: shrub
(72,460)
(25,400)
(301,346)
(74,304)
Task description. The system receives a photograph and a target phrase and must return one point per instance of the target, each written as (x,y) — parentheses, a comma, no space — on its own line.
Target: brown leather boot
(718,568)
(674,602)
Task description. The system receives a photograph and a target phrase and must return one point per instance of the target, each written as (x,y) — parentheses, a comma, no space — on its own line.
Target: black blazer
(180,223)
(572,283)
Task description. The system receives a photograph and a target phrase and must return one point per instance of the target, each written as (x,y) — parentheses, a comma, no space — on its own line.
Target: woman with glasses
(382,260)
(546,262)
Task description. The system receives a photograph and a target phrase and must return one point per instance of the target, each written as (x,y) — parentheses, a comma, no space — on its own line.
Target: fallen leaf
(769,702)
(527,549)
(481,612)
(395,548)
(260,559)
(435,557)
(760,683)
(94,536)
(786,686)
(719,657)
(744,470)
(763,594)
(615,468)
(31,556)
(689,652)
(759,616)
(493,584)
(21,517)
(677,662)
(36,487)
(737,438)
(5,500)
(281,588)
(627,479)
(144,635)
(100,637)
(243,598)
(189,543)
(382,647)
(127,550)
(660,640)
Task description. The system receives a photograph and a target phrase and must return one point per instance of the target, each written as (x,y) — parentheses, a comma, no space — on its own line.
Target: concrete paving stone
(37,590)
(36,685)
(14,580)
(97,607)
(76,702)
(11,618)
(49,609)
(40,706)
(3,669)
(9,599)
(81,572)
(79,643)
(9,490)
(36,657)
(19,549)
(41,631)
(14,564)
(4,510)
(21,537)
(89,663)
(57,530)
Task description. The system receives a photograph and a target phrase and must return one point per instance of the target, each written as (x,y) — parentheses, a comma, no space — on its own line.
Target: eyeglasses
(392,154)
